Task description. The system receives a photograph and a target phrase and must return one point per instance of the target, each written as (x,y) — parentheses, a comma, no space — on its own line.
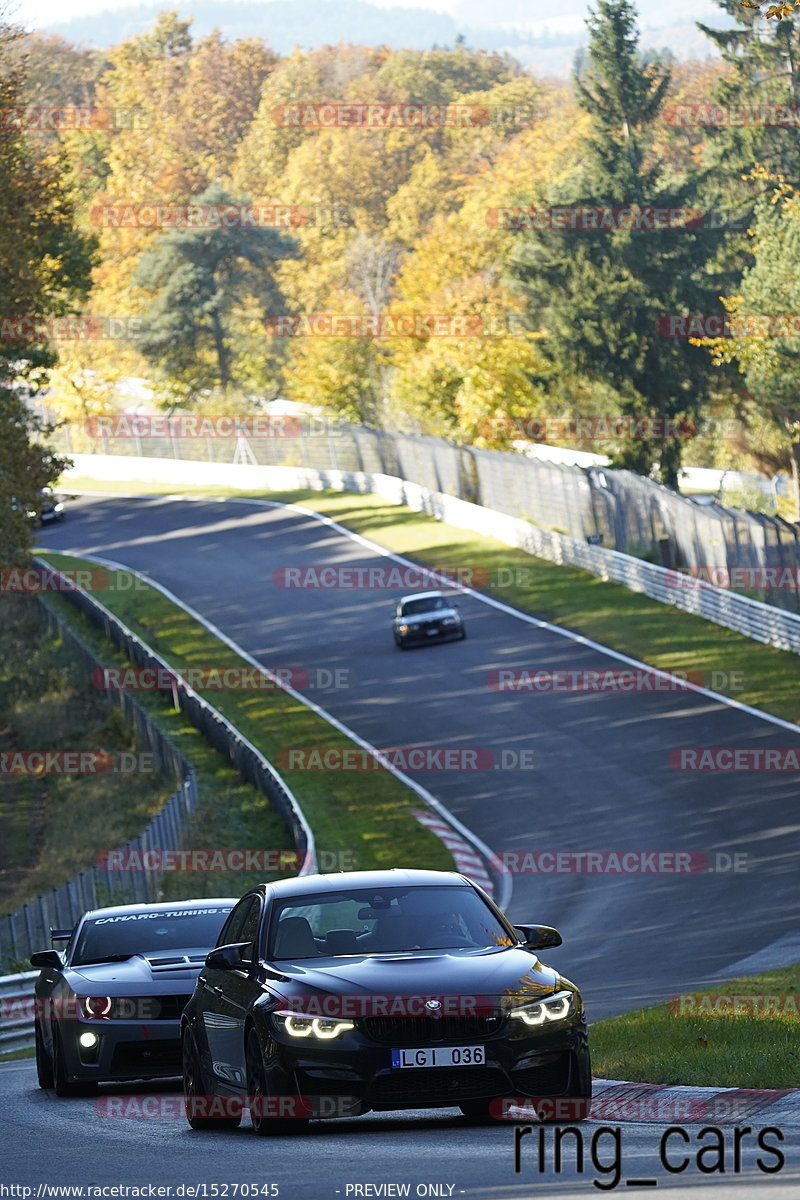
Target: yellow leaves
(775,11)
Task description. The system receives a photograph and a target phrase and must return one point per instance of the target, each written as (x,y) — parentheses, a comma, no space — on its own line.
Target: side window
(232,928)
(249,929)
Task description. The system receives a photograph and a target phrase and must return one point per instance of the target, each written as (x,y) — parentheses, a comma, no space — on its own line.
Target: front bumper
(419,635)
(124,1050)
(356,1075)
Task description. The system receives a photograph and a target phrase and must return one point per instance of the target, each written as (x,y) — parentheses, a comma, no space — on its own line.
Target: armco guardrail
(632,514)
(28,929)
(242,754)
(752,618)
(16,1007)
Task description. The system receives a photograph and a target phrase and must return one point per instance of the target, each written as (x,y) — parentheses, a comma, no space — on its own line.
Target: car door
(225,995)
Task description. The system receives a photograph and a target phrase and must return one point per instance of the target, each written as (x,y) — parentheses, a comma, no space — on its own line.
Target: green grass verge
(706,1049)
(360,820)
(630,622)
(51,824)
(13,1055)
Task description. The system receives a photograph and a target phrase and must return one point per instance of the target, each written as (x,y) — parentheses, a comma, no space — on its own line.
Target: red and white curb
(467,861)
(656,1103)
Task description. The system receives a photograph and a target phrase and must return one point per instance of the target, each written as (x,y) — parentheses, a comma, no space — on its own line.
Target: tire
(61,1084)
(263,1124)
(44,1063)
(463,635)
(195,1086)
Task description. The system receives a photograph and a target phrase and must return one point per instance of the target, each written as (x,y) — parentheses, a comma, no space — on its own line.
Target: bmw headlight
(403,628)
(325,1029)
(541,1012)
(451,620)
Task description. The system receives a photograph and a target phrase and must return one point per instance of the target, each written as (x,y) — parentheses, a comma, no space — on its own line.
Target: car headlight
(323,1028)
(552,1008)
(96,1007)
(451,620)
(403,628)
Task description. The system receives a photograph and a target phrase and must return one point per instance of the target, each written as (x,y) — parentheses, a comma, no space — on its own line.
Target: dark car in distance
(108,1007)
(426,617)
(336,995)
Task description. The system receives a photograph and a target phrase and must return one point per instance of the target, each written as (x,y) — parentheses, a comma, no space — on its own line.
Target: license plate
(440,1056)
(431,632)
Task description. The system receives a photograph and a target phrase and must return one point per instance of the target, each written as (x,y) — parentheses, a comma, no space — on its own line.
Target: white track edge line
(504,884)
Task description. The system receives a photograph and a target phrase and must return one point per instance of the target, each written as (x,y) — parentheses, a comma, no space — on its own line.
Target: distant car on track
(427,617)
(109,1006)
(336,995)
(51,508)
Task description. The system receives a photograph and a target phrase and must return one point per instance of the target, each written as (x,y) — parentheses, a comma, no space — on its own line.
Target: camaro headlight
(96,1007)
(324,1028)
(551,1008)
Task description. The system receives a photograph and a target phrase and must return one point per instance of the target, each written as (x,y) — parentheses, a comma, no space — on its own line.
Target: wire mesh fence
(617,509)
(28,929)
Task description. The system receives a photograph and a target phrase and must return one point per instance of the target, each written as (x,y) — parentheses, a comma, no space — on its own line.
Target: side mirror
(228,958)
(47,958)
(539,937)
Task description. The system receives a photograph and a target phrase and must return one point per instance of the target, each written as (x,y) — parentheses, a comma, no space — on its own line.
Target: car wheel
(463,635)
(44,1063)
(198,1101)
(265,1125)
(61,1084)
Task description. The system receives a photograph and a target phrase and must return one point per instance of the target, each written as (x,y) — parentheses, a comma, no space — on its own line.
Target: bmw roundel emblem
(433,1005)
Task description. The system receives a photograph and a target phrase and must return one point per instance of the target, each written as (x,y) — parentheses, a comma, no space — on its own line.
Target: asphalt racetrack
(600,780)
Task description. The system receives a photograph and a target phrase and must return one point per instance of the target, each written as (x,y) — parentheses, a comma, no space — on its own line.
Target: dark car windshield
(384,921)
(431,604)
(125,934)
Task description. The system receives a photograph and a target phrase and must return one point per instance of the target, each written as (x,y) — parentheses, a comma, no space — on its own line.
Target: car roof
(345,881)
(165,906)
(423,596)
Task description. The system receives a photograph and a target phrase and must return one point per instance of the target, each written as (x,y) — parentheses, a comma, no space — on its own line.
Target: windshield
(125,934)
(430,604)
(388,921)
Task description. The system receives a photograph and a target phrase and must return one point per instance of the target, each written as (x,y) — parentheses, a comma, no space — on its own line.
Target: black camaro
(334,995)
(109,1006)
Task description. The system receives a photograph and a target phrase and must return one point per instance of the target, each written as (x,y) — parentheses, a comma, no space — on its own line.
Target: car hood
(421,618)
(142,972)
(489,973)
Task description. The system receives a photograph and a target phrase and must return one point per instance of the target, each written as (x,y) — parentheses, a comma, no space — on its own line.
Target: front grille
(438,1085)
(148,1008)
(147,1058)
(426,1031)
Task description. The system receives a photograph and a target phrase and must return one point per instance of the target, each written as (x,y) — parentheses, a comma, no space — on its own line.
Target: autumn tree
(44,268)
(764,339)
(210,290)
(600,292)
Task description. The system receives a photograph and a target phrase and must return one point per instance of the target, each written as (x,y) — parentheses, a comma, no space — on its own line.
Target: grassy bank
(53,823)
(360,819)
(686,1042)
